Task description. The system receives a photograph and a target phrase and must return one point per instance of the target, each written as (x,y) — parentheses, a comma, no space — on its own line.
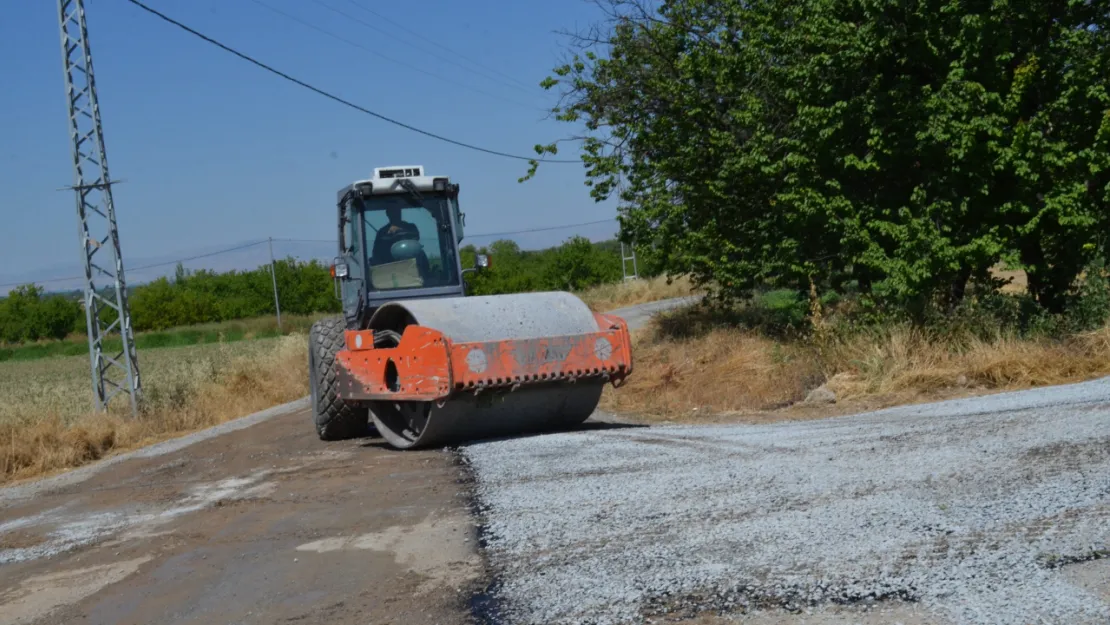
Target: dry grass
(1019,281)
(722,371)
(738,372)
(631,292)
(46,423)
(903,361)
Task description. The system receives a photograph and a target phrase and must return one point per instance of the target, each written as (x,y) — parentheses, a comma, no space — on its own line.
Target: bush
(1090,305)
(28,314)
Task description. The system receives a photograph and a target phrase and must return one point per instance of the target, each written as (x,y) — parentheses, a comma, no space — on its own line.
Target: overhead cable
(394,61)
(516,84)
(285,240)
(336,98)
(151,266)
(482,234)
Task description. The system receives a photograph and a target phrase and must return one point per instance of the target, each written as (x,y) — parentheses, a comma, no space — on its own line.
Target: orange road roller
(426,364)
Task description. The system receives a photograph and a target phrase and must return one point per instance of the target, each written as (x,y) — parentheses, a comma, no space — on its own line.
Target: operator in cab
(386,249)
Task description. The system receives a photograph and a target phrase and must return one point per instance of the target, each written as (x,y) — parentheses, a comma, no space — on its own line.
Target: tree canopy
(895,148)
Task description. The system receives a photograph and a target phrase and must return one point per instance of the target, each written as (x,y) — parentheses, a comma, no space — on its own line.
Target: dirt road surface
(264,524)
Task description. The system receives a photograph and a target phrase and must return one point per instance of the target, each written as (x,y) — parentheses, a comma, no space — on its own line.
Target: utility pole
(273,276)
(628,253)
(106,310)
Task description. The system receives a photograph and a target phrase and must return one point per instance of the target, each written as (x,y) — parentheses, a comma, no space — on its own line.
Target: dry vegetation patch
(615,295)
(46,421)
(720,371)
(710,373)
(902,360)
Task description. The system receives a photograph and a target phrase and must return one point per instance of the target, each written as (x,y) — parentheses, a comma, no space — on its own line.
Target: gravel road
(971,511)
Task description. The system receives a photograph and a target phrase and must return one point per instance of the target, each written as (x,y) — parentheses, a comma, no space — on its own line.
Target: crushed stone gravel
(972,509)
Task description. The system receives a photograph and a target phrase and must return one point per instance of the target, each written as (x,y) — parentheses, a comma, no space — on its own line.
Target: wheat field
(47,422)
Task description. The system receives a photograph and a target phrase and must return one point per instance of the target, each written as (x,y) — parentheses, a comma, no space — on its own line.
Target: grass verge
(46,424)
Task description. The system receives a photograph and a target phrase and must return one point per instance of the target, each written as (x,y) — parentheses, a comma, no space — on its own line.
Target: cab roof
(389,180)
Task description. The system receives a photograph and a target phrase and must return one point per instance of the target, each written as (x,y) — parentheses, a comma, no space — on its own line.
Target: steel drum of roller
(487,413)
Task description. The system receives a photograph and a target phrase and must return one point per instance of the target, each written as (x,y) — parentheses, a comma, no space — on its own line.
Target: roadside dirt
(261,525)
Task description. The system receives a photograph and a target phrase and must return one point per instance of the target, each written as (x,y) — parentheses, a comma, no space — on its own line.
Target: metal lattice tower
(106,309)
(628,253)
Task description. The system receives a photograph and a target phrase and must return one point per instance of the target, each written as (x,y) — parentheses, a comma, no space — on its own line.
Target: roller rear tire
(335,419)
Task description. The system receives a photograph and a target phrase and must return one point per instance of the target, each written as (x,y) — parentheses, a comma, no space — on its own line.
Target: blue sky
(214,151)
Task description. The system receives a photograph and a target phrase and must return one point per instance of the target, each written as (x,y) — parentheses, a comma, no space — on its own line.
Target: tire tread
(335,418)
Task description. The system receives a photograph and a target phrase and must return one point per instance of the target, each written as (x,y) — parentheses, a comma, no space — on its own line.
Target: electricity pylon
(106,309)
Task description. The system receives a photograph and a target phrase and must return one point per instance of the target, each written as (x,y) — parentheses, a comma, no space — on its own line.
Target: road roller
(417,359)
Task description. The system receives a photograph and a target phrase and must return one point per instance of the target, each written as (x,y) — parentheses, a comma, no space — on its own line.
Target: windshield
(410,242)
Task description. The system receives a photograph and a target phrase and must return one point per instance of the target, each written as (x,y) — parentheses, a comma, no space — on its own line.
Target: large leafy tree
(899,147)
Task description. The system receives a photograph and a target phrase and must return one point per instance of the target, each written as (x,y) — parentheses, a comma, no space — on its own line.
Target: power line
(544,229)
(328,33)
(516,84)
(284,240)
(150,266)
(198,256)
(482,234)
(336,98)
(433,42)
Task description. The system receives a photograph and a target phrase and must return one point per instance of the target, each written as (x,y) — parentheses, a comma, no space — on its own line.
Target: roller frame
(428,366)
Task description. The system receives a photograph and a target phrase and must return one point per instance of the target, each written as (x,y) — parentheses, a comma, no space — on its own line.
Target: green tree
(578,264)
(153,306)
(206,296)
(898,148)
(29,314)
(575,264)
